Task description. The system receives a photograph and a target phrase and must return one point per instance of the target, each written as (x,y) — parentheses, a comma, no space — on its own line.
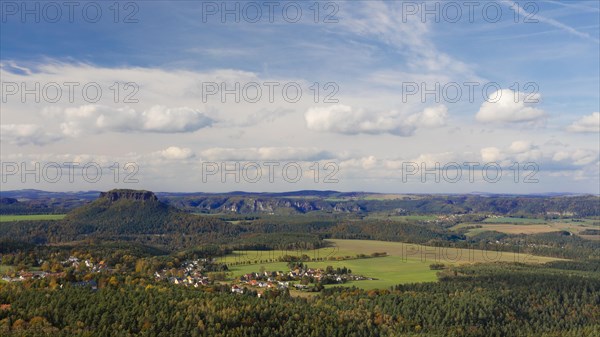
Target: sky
(378,96)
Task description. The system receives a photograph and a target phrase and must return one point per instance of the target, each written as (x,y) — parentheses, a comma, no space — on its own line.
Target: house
(38,274)
(236,289)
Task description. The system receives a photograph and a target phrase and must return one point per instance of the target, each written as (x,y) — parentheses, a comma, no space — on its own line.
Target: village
(199,273)
(300,277)
(87,266)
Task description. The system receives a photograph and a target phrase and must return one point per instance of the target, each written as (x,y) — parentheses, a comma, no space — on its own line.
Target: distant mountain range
(238,202)
(93,194)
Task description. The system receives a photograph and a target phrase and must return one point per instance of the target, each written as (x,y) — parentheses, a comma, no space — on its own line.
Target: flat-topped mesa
(114,195)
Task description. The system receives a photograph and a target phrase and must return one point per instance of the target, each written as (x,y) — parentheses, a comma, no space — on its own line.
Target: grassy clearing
(531,228)
(389,270)
(32,217)
(510,220)
(405,263)
(403,217)
(428,254)
(3,270)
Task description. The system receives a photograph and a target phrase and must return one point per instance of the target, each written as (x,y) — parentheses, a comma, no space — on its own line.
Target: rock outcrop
(114,195)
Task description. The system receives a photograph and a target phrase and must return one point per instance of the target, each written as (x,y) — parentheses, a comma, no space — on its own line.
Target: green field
(403,217)
(405,263)
(7,218)
(511,220)
(541,226)
(4,269)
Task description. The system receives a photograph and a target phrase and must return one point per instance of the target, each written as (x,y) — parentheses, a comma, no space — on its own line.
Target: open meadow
(404,263)
(31,217)
(511,220)
(530,226)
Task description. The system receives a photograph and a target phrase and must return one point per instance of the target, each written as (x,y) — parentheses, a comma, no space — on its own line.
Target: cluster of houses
(191,274)
(31,275)
(76,263)
(72,261)
(281,280)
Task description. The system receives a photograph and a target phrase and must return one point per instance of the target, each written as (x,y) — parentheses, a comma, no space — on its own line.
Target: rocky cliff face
(115,195)
(243,205)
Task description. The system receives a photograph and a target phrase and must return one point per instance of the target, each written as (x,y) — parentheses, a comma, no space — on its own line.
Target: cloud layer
(347,120)
(507,106)
(159,119)
(586,124)
(26,134)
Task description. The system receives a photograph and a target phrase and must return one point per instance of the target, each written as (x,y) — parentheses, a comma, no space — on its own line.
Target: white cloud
(408,34)
(363,163)
(491,154)
(520,146)
(507,106)
(589,123)
(174,152)
(550,21)
(577,157)
(346,120)
(25,134)
(520,151)
(265,153)
(98,118)
(255,117)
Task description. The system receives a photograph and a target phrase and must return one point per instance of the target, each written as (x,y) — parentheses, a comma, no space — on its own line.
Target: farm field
(405,263)
(514,220)
(403,217)
(532,228)
(7,218)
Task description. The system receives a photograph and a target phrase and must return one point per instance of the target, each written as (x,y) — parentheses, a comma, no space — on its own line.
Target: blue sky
(371,51)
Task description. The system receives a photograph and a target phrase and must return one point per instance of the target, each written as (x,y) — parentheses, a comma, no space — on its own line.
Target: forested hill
(123,212)
(537,206)
(299,202)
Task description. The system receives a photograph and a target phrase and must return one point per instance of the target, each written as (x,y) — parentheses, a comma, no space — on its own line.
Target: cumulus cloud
(491,154)
(265,153)
(347,120)
(26,134)
(578,157)
(99,118)
(362,163)
(589,123)
(177,153)
(507,106)
(519,151)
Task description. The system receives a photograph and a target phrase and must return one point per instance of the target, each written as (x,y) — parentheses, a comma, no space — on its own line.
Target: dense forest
(481,300)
